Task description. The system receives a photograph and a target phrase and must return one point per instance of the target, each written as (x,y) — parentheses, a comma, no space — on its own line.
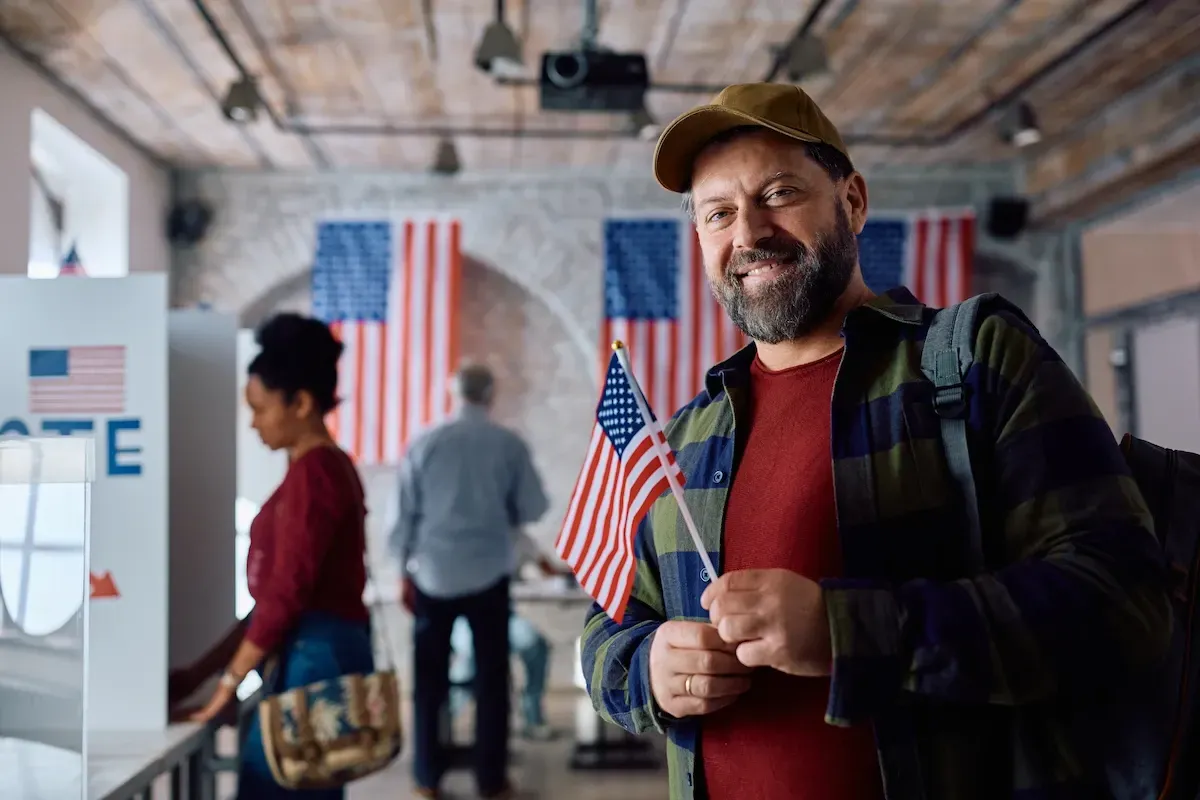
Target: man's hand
(408,595)
(774,617)
(692,671)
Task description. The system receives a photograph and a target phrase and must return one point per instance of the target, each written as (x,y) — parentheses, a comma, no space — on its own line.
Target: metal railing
(193,765)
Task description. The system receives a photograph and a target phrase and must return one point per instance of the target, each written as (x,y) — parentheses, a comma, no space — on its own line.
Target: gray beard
(800,299)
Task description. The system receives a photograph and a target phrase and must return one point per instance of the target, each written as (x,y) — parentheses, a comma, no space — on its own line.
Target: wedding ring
(687,684)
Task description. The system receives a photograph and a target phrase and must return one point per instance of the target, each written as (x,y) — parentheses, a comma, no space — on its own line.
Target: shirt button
(704,576)
(718,476)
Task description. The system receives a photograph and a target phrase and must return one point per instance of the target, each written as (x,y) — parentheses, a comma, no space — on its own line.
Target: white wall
(21,91)
(1166,382)
(203,475)
(94,193)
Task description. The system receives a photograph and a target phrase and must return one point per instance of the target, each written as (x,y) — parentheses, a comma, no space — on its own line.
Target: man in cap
(846,651)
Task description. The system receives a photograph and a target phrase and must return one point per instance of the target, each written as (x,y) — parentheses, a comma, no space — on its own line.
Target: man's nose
(751,227)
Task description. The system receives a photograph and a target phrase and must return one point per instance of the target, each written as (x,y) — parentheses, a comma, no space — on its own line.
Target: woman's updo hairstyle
(298,354)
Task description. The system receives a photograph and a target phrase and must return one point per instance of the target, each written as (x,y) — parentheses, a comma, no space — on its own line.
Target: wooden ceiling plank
(285,149)
(70,52)
(863,29)
(399,65)
(857,85)
(189,65)
(706,34)
(86,70)
(40,27)
(1028,26)
(1005,60)
(1138,121)
(128,38)
(464,89)
(929,54)
(1108,184)
(367,62)
(629,26)
(1167,39)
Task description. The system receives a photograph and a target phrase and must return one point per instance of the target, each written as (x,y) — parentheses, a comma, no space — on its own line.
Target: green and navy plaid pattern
(969,683)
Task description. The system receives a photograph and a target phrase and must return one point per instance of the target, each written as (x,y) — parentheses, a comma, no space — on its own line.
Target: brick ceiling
(910,81)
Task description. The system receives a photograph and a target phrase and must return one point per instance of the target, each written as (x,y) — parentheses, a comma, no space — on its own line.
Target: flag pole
(657,439)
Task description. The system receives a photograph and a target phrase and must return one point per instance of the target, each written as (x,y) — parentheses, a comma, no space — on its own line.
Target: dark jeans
(487,614)
(322,647)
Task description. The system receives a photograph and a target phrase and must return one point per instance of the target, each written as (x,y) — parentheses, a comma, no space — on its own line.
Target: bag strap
(947,357)
(389,659)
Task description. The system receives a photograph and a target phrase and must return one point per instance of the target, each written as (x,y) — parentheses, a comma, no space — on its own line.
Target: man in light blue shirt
(466,488)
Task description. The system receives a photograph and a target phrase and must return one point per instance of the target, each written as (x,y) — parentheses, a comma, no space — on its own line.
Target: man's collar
(471,411)
(897,304)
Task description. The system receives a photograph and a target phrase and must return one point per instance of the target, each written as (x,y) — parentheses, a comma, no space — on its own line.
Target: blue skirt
(322,647)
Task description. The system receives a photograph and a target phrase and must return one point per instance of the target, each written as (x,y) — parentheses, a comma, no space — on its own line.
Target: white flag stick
(656,440)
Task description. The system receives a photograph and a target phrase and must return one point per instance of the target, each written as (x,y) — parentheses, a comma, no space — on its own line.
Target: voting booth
(45,487)
(204,420)
(86,359)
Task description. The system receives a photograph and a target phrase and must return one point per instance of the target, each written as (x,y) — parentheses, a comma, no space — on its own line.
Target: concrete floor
(539,770)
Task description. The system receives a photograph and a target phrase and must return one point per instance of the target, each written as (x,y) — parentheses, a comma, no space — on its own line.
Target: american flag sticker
(77,380)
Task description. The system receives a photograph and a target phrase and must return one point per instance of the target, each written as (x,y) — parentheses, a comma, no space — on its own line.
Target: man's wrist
(660,719)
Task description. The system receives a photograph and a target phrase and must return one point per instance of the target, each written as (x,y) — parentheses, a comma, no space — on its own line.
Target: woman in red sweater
(305,567)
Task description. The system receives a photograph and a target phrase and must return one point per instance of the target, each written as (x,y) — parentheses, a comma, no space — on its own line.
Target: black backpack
(1154,752)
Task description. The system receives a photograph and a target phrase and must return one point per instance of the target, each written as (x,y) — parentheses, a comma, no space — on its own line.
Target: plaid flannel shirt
(967,682)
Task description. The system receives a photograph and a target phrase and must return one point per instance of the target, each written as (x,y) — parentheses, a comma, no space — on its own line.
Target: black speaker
(187,223)
(1007,217)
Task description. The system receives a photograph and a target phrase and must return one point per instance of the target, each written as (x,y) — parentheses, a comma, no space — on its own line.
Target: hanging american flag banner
(929,252)
(621,478)
(656,300)
(389,291)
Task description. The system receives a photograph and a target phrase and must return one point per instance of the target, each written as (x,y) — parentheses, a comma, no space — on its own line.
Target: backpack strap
(946,359)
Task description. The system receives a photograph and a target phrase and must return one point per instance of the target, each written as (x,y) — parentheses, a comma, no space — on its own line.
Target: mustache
(777,248)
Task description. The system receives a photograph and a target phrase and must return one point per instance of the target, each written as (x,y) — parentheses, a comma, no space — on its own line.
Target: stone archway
(546,391)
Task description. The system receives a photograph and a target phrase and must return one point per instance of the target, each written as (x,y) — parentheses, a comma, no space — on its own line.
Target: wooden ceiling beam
(1138,140)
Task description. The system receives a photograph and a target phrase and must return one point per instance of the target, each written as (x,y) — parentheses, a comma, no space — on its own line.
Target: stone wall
(531,292)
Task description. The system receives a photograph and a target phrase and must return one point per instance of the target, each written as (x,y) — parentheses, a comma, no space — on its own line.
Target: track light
(644,125)
(1020,126)
(242,101)
(446,162)
(499,52)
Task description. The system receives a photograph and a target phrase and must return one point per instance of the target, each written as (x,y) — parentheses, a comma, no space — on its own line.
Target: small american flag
(657,301)
(389,291)
(930,253)
(621,478)
(77,380)
(71,266)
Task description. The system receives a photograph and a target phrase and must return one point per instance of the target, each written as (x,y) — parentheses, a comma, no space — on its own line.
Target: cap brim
(684,138)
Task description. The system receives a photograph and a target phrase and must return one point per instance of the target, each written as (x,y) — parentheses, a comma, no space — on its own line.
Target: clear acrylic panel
(45,494)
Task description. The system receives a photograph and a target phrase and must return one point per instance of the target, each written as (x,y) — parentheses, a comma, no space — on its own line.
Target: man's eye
(778,193)
(716,216)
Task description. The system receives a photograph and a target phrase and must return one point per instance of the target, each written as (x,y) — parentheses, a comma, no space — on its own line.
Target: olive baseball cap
(781,107)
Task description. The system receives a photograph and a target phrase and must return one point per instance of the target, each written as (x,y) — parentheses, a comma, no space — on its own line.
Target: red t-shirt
(773,743)
(306,547)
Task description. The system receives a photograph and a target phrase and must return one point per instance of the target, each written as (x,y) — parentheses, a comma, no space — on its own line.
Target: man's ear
(856,201)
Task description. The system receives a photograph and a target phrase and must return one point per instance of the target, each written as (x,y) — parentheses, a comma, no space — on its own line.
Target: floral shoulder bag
(329,733)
